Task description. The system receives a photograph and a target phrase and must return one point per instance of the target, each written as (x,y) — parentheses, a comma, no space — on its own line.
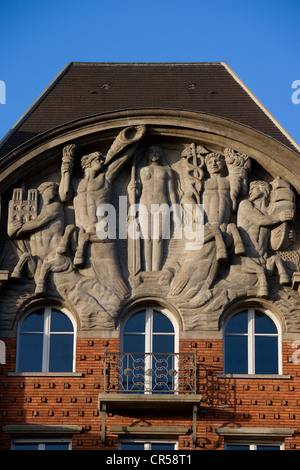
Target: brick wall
(69,400)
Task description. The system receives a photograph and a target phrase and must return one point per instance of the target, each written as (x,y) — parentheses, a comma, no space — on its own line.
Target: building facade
(149,265)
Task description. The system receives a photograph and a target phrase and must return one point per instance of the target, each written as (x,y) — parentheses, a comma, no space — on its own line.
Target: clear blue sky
(259,40)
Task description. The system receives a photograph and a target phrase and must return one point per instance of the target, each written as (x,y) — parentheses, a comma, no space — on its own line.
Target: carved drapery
(101,231)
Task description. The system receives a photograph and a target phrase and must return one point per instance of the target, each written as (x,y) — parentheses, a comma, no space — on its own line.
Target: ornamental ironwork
(149,373)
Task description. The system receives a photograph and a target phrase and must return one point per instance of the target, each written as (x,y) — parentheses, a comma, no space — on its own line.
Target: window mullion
(251,342)
(46,340)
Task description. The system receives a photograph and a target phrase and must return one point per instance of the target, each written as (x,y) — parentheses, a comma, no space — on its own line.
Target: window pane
(25,446)
(163,344)
(161,324)
(57,446)
(268,447)
(132,446)
(264,324)
(134,343)
(162,446)
(136,323)
(266,355)
(61,353)
(237,447)
(60,322)
(238,323)
(34,322)
(30,352)
(236,355)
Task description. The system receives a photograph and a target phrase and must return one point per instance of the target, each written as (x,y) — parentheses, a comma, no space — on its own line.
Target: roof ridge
(262,106)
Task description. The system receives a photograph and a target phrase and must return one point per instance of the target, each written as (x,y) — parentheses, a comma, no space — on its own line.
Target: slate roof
(86,89)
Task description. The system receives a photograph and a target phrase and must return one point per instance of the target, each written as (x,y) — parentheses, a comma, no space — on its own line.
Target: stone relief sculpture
(227,179)
(44,232)
(59,234)
(256,219)
(89,193)
(150,188)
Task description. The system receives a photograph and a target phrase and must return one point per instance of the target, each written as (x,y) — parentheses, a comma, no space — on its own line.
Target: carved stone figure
(45,234)
(255,221)
(227,179)
(91,192)
(153,187)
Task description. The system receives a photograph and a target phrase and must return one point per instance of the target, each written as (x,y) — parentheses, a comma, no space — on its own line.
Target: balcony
(136,382)
(148,373)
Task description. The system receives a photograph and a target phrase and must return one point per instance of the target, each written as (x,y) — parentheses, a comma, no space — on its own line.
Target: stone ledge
(148,401)
(41,429)
(148,430)
(253,376)
(252,432)
(44,374)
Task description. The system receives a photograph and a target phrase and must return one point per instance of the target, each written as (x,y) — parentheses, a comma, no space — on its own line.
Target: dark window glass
(34,322)
(162,446)
(237,447)
(238,323)
(25,446)
(60,322)
(161,324)
(264,324)
(61,353)
(266,355)
(268,447)
(136,323)
(132,446)
(163,344)
(134,343)
(236,355)
(57,446)
(30,352)
(36,356)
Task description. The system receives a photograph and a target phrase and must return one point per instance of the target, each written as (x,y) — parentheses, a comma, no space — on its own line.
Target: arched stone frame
(45,149)
(265,307)
(47,309)
(174,126)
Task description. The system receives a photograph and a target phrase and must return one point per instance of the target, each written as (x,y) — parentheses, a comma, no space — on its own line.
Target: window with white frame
(145,444)
(238,445)
(45,444)
(46,341)
(252,343)
(149,346)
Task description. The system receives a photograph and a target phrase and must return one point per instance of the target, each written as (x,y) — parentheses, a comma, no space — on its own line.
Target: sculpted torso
(154,185)
(217,201)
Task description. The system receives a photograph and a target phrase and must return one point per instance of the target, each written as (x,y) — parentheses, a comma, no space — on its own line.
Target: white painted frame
(41,442)
(252,335)
(46,335)
(253,445)
(149,336)
(147,442)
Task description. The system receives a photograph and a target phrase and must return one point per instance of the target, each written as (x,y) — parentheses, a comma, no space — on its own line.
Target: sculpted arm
(47,215)
(65,189)
(253,215)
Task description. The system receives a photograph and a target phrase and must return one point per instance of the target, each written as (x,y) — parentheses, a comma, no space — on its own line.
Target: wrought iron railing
(149,373)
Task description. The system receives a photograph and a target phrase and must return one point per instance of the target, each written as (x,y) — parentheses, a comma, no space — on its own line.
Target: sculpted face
(215,164)
(97,164)
(153,155)
(257,190)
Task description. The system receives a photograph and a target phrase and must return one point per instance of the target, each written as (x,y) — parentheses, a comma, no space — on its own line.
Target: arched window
(149,346)
(46,342)
(251,344)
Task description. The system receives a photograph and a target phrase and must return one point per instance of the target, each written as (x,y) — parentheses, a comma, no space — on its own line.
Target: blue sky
(259,40)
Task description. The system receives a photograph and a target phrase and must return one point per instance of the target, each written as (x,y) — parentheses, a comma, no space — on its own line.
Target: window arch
(149,347)
(252,343)
(46,339)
